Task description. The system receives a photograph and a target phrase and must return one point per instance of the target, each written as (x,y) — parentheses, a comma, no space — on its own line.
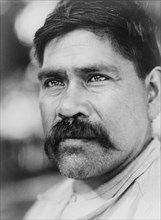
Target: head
(100,80)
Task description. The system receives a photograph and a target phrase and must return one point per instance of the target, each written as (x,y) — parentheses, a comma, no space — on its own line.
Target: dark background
(24,169)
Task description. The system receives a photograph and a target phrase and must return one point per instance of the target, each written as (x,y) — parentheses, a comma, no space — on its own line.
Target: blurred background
(24,169)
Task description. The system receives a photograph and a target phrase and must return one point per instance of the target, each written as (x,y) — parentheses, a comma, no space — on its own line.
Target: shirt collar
(115,186)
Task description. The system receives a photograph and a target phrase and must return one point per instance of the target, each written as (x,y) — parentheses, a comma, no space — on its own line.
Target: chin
(79,168)
(72,174)
(73,169)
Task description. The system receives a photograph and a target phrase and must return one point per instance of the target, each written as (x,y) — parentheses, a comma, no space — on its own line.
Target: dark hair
(126,24)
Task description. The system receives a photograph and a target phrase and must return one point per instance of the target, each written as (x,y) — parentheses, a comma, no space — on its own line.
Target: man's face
(84,79)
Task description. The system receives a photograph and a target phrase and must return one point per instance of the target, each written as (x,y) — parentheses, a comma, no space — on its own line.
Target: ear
(153,86)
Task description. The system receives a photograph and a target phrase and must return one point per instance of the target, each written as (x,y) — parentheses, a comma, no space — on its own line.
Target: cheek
(125,117)
(47,109)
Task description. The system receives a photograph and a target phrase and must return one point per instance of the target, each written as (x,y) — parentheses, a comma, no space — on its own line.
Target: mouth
(74,145)
(78,139)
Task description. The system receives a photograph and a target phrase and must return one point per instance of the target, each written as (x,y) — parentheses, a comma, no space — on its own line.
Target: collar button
(73,198)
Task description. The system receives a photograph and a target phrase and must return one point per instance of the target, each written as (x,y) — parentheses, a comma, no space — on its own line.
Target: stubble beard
(80,149)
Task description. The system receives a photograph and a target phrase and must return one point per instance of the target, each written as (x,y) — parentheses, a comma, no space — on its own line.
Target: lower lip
(75,145)
(75,142)
(77,139)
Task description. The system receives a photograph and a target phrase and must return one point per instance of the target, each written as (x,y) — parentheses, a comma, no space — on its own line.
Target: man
(100,91)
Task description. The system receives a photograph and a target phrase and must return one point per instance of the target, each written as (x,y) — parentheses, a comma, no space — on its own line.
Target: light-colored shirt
(133,194)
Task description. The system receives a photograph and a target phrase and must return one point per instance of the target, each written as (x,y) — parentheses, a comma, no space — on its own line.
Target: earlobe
(153,86)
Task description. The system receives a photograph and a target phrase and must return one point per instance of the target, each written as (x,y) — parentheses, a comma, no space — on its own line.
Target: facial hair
(74,128)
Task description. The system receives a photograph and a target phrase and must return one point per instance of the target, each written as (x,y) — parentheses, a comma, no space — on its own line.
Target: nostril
(79,110)
(67,120)
(62,116)
(78,115)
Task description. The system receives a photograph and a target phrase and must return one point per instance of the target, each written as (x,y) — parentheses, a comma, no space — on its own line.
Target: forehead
(80,49)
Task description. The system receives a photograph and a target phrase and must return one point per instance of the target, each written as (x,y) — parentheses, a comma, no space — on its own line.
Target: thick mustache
(77,129)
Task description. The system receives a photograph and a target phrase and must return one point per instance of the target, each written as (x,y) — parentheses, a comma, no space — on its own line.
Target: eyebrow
(79,70)
(97,68)
(50,73)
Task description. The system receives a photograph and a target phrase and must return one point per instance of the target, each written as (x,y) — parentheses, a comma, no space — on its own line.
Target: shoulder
(148,203)
(149,181)
(46,202)
(58,191)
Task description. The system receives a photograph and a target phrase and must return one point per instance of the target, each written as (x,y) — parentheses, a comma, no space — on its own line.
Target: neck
(90,184)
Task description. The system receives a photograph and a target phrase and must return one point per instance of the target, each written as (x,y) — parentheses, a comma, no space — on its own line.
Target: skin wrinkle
(97,68)
(117,25)
(77,128)
(116,104)
(96,111)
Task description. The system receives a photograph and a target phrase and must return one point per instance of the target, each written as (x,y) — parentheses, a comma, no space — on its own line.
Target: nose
(74,103)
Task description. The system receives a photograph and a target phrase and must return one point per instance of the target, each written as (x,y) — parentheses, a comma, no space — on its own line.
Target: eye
(97,78)
(53,83)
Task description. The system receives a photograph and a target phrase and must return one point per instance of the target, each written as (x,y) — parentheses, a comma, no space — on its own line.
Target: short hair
(127,25)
